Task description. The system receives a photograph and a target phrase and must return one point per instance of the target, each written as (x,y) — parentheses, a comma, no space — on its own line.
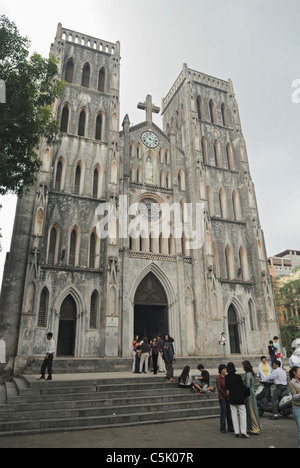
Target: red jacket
(223,394)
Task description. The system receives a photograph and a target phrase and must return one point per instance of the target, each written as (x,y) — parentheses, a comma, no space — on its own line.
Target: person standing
(294,387)
(160,361)
(253,422)
(168,357)
(235,386)
(277,348)
(154,349)
(272,353)
(225,412)
(145,348)
(280,380)
(222,343)
(135,344)
(48,361)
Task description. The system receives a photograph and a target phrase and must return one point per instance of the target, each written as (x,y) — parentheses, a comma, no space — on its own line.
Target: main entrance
(150,308)
(67,328)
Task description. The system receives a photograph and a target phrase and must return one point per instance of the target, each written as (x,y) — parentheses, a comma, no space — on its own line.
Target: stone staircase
(28,406)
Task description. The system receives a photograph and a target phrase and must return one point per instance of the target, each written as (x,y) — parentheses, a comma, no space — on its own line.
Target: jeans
(225,414)
(296,413)
(170,369)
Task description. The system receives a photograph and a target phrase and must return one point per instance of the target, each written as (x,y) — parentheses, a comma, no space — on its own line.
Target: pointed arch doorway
(150,308)
(233,329)
(67,327)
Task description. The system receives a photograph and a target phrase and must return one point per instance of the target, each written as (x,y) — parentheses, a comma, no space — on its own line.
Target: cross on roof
(149,108)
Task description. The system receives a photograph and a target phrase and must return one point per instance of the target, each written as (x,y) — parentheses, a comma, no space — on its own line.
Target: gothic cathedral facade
(94,293)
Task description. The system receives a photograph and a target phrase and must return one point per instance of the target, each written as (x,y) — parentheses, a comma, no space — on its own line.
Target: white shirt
(50,347)
(278,375)
(222,340)
(261,370)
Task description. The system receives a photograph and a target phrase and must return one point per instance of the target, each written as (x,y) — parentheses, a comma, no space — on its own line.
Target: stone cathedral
(94,293)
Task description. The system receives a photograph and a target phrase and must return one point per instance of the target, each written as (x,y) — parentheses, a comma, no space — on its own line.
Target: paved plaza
(178,435)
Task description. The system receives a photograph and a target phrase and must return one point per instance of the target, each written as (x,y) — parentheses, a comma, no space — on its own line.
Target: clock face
(150,139)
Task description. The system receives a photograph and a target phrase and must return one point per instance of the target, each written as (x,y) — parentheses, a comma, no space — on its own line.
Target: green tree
(0,235)
(27,115)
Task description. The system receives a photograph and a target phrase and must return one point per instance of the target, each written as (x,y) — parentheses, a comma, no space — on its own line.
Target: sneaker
(49,378)
(274,418)
(245,436)
(42,377)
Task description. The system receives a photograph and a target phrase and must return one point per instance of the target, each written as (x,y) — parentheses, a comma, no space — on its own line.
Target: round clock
(150,139)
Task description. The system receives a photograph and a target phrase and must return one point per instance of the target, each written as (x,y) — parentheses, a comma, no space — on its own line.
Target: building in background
(284,263)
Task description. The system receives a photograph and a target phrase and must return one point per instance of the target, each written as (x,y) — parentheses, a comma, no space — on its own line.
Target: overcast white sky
(256,43)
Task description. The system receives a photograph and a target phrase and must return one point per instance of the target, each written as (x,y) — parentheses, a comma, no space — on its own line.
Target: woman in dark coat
(235,386)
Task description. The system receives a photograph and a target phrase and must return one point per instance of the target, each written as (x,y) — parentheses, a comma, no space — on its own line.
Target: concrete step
(36,406)
(64,365)
(75,411)
(88,422)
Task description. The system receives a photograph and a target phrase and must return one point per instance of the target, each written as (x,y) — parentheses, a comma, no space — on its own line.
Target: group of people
(160,351)
(237,397)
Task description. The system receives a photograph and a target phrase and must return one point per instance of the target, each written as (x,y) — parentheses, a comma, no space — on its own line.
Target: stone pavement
(183,435)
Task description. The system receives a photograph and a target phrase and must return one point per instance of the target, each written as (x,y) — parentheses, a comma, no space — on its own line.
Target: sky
(256,43)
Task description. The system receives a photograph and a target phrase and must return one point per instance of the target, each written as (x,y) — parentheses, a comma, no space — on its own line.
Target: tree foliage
(27,115)
(288,301)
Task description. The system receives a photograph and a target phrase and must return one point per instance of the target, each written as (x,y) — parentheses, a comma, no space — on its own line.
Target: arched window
(81,124)
(252,316)
(213,113)
(85,82)
(77,179)
(92,250)
(58,178)
(69,71)
(43,308)
(74,248)
(96,183)
(236,206)
(229,263)
(224,115)
(101,80)
(94,309)
(200,108)
(181,180)
(204,150)
(52,256)
(210,201)
(229,154)
(217,153)
(98,135)
(223,204)
(244,270)
(64,119)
